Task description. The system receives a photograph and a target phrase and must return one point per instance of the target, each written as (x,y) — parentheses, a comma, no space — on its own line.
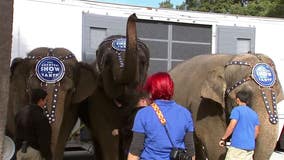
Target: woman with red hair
(150,137)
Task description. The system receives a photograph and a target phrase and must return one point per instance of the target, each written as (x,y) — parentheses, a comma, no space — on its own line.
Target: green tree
(277,10)
(274,8)
(166,4)
(182,6)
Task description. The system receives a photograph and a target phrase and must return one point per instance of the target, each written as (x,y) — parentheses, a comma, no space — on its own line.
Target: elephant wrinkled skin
(63,95)
(207,85)
(121,72)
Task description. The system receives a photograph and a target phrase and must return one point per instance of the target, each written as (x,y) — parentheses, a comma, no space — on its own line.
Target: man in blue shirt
(244,125)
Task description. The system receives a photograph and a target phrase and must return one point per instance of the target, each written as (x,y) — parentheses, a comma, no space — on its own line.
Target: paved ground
(76,150)
(81,155)
(277,156)
(84,151)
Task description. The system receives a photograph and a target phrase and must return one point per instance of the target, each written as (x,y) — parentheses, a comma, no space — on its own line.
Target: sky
(146,3)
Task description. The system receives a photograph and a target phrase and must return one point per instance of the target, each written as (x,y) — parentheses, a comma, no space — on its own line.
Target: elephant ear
(214,86)
(14,64)
(19,72)
(86,82)
(17,92)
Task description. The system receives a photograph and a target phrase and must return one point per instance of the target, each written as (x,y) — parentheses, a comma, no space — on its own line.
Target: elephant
(207,86)
(64,93)
(121,63)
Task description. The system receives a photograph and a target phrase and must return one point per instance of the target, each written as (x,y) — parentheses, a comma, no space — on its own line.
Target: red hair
(160,86)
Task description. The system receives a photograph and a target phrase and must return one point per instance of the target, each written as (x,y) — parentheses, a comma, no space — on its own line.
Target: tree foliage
(271,8)
(166,4)
(277,10)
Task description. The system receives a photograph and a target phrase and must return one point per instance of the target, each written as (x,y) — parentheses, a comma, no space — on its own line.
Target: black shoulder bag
(176,153)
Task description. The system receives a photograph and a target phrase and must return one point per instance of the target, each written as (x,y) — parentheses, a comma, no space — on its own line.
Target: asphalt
(277,156)
(77,150)
(85,151)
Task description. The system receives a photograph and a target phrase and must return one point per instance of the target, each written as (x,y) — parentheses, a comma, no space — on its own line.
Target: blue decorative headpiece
(119,44)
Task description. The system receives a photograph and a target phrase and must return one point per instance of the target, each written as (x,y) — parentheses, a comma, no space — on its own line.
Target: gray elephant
(63,77)
(122,65)
(207,85)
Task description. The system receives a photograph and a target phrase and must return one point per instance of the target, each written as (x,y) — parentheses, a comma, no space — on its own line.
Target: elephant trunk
(129,71)
(64,120)
(267,138)
(265,144)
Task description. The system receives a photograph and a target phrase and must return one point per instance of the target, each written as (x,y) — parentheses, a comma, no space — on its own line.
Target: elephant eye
(142,60)
(68,71)
(107,60)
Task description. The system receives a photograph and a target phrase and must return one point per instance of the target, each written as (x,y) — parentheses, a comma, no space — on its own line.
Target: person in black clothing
(33,131)
(125,133)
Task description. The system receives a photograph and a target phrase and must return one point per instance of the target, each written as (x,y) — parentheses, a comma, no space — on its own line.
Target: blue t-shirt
(157,145)
(243,136)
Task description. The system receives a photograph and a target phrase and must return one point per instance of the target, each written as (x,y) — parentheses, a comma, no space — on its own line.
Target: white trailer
(80,25)
(60,23)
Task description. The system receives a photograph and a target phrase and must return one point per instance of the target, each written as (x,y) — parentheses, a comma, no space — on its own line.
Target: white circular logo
(119,44)
(50,69)
(263,74)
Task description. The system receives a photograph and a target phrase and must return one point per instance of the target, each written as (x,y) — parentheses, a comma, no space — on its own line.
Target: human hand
(222,142)
(132,157)
(142,102)
(115,132)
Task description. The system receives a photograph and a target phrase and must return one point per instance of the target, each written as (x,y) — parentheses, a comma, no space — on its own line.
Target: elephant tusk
(117,103)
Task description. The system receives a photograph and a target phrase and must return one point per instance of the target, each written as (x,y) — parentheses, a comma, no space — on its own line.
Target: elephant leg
(209,128)
(106,145)
(209,137)
(10,124)
(103,118)
(98,149)
(110,144)
(200,152)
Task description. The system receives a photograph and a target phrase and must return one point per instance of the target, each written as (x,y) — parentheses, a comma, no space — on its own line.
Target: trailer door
(169,43)
(235,40)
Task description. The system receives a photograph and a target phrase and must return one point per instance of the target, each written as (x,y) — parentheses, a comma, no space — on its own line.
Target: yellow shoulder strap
(159,113)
